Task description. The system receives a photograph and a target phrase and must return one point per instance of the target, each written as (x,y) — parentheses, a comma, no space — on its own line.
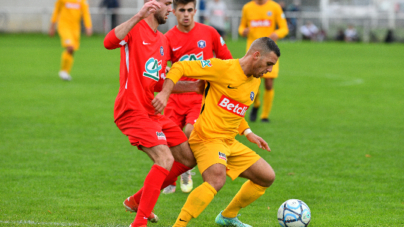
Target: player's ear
(256,55)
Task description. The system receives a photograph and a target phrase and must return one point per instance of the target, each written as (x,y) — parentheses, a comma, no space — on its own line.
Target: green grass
(336,136)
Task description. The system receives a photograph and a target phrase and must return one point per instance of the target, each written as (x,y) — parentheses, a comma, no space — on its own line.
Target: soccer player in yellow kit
(263,18)
(68,14)
(230,90)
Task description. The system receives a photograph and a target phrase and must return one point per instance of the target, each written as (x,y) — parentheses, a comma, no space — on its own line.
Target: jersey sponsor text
(260,23)
(232,106)
(70,5)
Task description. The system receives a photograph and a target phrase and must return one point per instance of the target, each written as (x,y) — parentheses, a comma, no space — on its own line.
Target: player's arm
(148,8)
(183,86)
(121,32)
(244,129)
(55,15)
(203,70)
(282,30)
(87,18)
(220,47)
(243,28)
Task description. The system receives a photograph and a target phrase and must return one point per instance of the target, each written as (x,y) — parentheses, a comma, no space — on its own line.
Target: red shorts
(150,130)
(183,108)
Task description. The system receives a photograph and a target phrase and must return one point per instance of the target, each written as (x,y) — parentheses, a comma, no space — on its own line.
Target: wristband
(247,131)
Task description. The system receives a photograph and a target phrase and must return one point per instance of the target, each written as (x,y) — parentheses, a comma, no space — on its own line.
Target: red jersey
(143,63)
(201,43)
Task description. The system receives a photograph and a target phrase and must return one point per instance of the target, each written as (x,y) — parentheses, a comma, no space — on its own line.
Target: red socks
(176,170)
(151,192)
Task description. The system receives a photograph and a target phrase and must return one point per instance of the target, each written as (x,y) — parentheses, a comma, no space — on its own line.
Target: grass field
(337,138)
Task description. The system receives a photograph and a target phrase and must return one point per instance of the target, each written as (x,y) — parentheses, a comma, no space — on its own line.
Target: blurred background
(363,20)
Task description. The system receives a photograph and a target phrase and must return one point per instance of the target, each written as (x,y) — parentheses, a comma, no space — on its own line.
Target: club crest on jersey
(162,51)
(252,96)
(206,63)
(269,13)
(201,44)
(160,136)
(222,156)
(232,106)
(192,57)
(152,67)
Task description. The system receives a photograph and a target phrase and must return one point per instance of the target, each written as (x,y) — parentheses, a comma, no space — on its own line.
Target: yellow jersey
(263,20)
(68,14)
(228,94)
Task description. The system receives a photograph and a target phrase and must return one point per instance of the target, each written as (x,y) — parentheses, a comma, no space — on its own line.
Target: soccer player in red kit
(143,61)
(202,42)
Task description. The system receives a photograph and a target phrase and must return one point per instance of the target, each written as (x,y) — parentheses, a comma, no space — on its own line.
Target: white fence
(37,19)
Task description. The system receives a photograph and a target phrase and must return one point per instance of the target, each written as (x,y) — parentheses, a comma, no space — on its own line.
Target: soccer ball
(294,213)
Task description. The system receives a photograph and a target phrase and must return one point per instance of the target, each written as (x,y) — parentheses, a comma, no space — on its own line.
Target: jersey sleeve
(243,126)
(209,70)
(86,14)
(56,11)
(243,22)
(220,47)
(282,30)
(112,42)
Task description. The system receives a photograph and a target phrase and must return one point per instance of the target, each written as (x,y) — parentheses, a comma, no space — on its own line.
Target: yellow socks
(248,193)
(197,201)
(67,61)
(268,99)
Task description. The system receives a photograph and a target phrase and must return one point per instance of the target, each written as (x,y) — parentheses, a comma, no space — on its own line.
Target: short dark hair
(184,2)
(267,45)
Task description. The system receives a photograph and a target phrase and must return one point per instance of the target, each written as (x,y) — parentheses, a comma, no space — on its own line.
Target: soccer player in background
(263,18)
(230,90)
(143,62)
(67,14)
(202,42)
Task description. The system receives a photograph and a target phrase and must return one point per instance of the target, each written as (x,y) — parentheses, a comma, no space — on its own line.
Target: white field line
(21,222)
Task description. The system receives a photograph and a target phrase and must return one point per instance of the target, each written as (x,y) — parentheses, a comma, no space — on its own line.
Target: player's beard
(160,19)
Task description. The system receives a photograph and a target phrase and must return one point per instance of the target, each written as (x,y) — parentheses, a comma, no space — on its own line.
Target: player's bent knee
(70,50)
(163,158)
(215,175)
(183,154)
(217,183)
(269,178)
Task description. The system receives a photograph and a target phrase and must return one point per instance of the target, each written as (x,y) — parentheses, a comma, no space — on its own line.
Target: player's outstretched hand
(148,8)
(274,37)
(258,140)
(52,30)
(246,31)
(160,102)
(89,31)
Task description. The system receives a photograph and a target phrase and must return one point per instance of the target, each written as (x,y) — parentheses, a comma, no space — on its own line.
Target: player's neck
(186,29)
(261,2)
(152,22)
(245,65)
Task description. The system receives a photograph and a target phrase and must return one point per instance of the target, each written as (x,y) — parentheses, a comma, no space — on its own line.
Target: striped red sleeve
(111,41)
(220,47)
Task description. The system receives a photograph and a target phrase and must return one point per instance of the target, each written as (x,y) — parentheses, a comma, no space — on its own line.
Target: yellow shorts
(274,73)
(69,37)
(234,155)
